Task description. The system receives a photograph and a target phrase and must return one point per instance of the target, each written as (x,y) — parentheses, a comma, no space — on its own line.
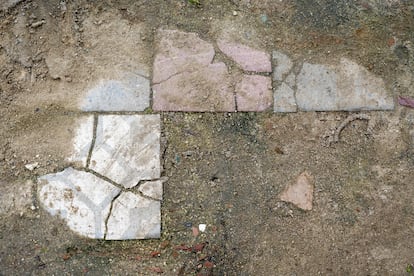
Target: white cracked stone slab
(82,140)
(127,148)
(345,86)
(282,67)
(129,94)
(284,99)
(81,199)
(134,217)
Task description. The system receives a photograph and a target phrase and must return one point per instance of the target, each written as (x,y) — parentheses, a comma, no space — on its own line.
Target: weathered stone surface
(254,93)
(180,52)
(152,189)
(301,192)
(346,86)
(134,217)
(80,198)
(284,99)
(206,89)
(282,67)
(82,140)
(129,94)
(290,80)
(248,58)
(127,148)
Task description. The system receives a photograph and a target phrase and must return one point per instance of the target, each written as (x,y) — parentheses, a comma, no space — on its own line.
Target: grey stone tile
(129,94)
(345,86)
(127,148)
(81,199)
(134,217)
(284,99)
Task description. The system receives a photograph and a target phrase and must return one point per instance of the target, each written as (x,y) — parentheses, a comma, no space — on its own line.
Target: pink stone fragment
(254,93)
(179,52)
(301,192)
(249,59)
(207,89)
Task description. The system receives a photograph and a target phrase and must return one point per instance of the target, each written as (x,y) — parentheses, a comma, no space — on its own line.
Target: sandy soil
(225,170)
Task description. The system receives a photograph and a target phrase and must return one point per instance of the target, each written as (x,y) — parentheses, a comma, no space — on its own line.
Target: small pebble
(202,227)
(235,13)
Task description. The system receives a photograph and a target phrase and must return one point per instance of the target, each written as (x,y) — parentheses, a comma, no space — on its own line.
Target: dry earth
(225,170)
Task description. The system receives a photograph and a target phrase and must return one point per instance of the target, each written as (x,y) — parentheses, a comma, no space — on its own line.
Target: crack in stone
(109,214)
(95,126)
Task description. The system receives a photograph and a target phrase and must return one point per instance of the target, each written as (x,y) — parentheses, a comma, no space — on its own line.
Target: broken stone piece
(82,140)
(203,90)
(249,59)
(282,67)
(284,99)
(180,52)
(134,217)
(300,193)
(80,198)
(345,86)
(254,93)
(127,148)
(152,189)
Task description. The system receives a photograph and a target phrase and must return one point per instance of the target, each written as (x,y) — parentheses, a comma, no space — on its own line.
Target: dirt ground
(225,170)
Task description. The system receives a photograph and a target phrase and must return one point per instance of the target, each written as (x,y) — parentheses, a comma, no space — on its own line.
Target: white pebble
(202,227)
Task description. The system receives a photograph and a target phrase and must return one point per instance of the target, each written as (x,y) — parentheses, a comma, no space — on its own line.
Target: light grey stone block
(284,99)
(345,86)
(129,94)
(127,148)
(134,217)
(80,198)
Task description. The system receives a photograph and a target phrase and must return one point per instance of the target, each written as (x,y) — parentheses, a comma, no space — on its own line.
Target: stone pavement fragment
(205,89)
(249,59)
(131,93)
(254,93)
(82,140)
(282,67)
(127,148)
(300,193)
(284,99)
(134,217)
(345,86)
(180,52)
(152,189)
(80,198)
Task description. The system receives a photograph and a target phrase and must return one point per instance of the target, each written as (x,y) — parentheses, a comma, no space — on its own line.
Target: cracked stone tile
(254,93)
(134,217)
(80,198)
(152,189)
(249,59)
(203,90)
(282,67)
(131,93)
(127,148)
(180,52)
(284,99)
(82,140)
(345,86)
